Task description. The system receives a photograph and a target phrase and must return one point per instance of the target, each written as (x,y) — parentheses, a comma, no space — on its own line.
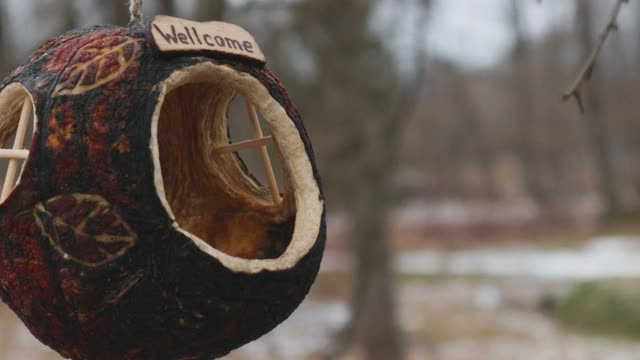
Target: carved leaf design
(84,228)
(96,64)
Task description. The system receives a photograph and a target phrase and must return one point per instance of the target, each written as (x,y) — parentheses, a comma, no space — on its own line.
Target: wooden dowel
(10,179)
(14,154)
(241,145)
(266,161)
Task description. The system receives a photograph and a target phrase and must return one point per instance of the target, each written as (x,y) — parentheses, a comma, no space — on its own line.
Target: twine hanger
(137,14)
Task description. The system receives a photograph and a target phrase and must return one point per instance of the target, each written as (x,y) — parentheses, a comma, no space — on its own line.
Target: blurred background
(472,213)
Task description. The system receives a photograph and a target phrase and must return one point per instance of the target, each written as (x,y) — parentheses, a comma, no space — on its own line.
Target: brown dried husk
(126,236)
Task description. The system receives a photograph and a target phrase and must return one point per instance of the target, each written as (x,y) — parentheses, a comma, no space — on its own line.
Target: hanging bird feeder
(131,228)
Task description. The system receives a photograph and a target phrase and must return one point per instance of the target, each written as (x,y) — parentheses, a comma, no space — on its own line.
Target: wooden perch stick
(10,179)
(266,161)
(585,71)
(241,145)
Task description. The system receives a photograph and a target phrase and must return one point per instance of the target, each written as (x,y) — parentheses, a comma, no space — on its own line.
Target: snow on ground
(601,258)
(452,319)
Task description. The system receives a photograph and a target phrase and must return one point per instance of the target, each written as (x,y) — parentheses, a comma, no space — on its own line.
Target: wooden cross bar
(14,154)
(17,153)
(266,161)
(261,142)
(241,145)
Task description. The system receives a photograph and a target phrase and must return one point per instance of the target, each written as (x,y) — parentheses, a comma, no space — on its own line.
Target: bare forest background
(433,157)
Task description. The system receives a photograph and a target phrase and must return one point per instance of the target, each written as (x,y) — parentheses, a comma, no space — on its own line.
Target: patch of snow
(603,257)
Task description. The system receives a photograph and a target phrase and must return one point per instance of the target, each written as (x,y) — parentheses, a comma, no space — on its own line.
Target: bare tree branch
(587,69)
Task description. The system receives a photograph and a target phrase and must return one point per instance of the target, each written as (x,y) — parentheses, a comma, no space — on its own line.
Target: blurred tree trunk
(359,99)
(529,123)
(119,12)
(637,42)
(166,7)
(373,306)
(210,10)
(596,127)
(5,48)
(69,15)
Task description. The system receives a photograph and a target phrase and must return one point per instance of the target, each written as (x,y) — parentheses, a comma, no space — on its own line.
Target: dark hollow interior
(214,196)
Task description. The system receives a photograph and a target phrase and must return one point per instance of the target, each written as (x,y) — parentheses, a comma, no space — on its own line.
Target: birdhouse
(131,228)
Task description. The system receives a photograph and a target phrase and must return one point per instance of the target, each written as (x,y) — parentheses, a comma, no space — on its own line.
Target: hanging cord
(137,16)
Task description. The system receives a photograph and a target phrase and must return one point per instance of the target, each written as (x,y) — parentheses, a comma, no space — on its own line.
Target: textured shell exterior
(89,259)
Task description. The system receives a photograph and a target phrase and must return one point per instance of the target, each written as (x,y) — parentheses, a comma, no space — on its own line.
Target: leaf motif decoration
(84,228)
(97,64)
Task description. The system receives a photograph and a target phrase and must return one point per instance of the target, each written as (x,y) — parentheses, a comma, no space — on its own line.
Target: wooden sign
(175,35)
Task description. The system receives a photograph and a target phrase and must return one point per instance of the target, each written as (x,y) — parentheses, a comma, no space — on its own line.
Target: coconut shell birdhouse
(131,228)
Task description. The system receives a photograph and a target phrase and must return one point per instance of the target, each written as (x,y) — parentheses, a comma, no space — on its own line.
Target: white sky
(478,33)
(471,33)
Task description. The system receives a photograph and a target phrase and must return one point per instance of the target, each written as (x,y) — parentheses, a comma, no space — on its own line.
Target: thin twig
(573,92)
